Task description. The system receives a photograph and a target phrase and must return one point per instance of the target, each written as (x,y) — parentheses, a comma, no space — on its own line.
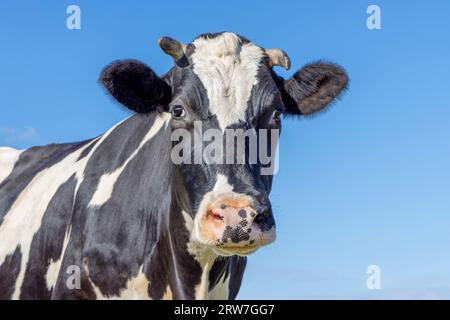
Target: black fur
(136,86)
(9,270)
(30,163)
(56,220)
(313,87)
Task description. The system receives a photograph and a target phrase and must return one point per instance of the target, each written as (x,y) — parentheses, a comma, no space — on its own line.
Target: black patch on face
(242,213)
(48,242)
(9,272)
(265,221)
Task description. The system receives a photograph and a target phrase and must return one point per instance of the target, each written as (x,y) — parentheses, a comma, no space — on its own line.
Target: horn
(278,57)
(174,49)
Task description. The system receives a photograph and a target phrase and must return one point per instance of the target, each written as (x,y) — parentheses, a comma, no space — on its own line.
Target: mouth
(235,251)
(246,249)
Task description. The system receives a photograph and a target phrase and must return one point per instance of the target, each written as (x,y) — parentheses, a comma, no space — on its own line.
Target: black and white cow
(117,209)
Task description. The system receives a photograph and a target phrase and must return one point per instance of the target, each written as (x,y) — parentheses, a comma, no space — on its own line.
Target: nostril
(242,213)
(264,211)
(259,219)
(264,219)
(215,215)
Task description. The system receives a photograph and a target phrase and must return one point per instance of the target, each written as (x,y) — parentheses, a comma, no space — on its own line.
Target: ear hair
(314,87)
(135,85)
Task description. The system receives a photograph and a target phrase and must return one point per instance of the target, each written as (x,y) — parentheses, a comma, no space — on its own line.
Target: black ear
(313,87)
(135,85)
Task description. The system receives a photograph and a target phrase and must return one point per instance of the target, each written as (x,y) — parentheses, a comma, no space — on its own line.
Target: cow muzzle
(236,226)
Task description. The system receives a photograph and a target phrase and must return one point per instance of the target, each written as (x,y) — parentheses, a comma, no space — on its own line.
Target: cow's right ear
(136,86)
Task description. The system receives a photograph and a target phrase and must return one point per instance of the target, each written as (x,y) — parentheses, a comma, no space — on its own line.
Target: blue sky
(364,183)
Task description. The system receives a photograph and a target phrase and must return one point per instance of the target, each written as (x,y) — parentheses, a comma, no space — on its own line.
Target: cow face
(223,86)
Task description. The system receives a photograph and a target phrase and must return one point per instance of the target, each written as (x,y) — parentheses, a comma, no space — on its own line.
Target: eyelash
(277,114)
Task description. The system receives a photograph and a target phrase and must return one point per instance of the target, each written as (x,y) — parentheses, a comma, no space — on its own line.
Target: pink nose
(234,216)
(236,224)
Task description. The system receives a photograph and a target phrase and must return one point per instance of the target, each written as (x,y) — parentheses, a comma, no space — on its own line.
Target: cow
(114,217)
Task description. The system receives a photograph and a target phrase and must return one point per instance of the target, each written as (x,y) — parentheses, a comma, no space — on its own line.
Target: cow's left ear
(313,87)
(136,86)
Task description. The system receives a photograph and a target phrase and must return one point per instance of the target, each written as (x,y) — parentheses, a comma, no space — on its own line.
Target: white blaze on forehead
(228,70)
(222,185)
(8,158)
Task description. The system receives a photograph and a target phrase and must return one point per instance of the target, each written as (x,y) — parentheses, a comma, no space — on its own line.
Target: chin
(243,248)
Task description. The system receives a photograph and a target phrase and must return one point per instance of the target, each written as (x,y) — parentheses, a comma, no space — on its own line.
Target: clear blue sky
(367,182)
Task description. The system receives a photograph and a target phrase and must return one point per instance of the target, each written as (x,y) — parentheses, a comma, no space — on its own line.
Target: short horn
(278,57)
(174,49)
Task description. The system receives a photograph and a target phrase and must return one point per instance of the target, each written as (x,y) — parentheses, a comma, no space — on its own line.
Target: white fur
(8,158)
(135,289)
(54,267)
(205,253)
(52,273)
(228,70)
(188,221)
(201,289)
(24,218)
(108,180)
(221,189)
(221,290)
(84,161)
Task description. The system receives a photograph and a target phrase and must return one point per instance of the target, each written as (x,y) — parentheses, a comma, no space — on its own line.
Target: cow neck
(189,268)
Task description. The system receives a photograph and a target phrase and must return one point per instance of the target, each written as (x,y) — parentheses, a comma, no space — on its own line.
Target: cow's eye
(277,116)
(178,112)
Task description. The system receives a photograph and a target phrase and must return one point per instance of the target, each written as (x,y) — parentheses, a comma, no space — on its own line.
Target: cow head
(223,83)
